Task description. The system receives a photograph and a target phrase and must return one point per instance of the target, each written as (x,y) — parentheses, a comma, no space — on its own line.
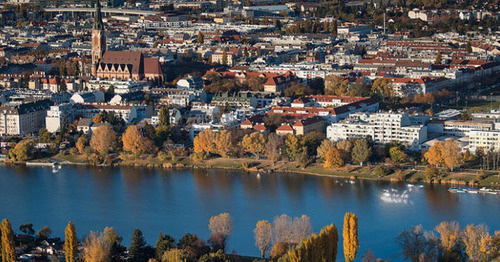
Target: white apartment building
(23,119)
(381,127)
(119,86)
(484,139)
(464,127)
(58,115)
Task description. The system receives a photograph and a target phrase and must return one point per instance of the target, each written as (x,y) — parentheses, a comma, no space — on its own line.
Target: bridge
(105,11)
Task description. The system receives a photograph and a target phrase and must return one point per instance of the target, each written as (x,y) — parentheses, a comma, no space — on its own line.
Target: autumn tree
(164,243)
(335,85)
(435,154)
(131,139)
(451,154)
(291,147)
(350,235)
(203,143)
(44,233)
(382,87)
(96,248)
(8,249)
(200,38)
(333,158)
(81,143)
(174,255)
(103,139)
(23,151)
(273,147)
(345,147)
(439,58)
(223,143)
(223,226)
(325,146)
(263,236)
(478,243)
(360,151)
(70,243)
(97,119)
(224,57)
(164,117)
(111,236)
(449,235)
(254,144)
(397,154)
(317,247)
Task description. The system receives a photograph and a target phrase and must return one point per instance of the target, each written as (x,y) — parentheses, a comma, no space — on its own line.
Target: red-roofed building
(285,129)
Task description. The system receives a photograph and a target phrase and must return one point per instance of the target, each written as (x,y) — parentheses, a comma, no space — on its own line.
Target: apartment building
(381,127)
(23,119)
(487,140)
(58,115)
(460,128)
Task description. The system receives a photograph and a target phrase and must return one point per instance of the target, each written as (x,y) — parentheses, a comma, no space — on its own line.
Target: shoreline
(262,166)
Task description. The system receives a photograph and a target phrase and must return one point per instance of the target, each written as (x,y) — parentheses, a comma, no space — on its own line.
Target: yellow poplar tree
(70,243)
(8,248)
(254,143)
(333,158)
(223,143)
(449,234)
(204,142)
(435,154)
(451,154)
(132,139)
(263,235)
(350,235)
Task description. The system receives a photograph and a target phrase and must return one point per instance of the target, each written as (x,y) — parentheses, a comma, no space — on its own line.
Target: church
(122,65)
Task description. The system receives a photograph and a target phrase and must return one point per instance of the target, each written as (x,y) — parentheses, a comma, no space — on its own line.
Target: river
(181,201)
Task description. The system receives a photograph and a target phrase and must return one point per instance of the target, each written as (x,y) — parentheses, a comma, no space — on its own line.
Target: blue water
(177,202)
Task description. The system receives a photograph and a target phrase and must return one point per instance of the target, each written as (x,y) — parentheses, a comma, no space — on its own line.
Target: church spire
(98,25)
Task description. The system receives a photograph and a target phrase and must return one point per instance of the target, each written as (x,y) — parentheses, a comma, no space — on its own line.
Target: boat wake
(396,196)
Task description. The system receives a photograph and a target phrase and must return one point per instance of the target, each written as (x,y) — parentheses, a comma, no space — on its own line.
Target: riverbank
(409,173)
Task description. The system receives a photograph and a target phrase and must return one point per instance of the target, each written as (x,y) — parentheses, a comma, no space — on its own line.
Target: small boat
(452,189)
(460,190)
(410,185)
(472,190)
(484,190)
(352,182)
(258,175)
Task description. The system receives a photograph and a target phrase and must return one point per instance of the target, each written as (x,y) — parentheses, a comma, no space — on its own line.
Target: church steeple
(98,39)
(98,25)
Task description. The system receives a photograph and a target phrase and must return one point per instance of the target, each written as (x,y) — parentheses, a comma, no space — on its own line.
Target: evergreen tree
(439,58)
(350,235)
(137,250)
(164,117)
(70,243)
(468,47)
(201,38)
(7,243)
(164,243)
(224,57)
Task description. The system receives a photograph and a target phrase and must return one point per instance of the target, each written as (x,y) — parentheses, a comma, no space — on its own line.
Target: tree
(468,47)
(382,87)
(350,235)
(435,154)
(416,245)
(273,121)
(222,225)
(138,247)
(164,243)
(263,236)
(97,119)
(398,155)
(292,147)
(478,243)
(254,144)
(302,228)
(27,229)
(174,255)
(273,147)
(203,143)
(335,85)
(62,68)
(333,158)
(360,151)
(132,139)
(317,247)
(70,243)
(439,58)
(449,235)
(380,170)
(96,248)
(44,233)
(23,150)
(223,143)
(325,146)
(7,244)
(298,90)
(345,147)
(200,39)
(283,229)
(451,154)
(111,236)
(102,139)
(224,57)
(278,250)
(164,117)
(81,143)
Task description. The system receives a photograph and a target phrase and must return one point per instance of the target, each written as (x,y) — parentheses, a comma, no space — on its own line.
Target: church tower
(98,38)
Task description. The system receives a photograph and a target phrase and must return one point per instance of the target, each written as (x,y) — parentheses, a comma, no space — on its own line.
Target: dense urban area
(400,90)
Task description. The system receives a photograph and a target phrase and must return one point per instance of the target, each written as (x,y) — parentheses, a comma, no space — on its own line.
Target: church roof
(123,58)
(98,25)
(152,66)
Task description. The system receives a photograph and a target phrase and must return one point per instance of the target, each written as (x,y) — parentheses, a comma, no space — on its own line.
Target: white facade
(57,115)
(484,139)
(119,86)
(381,127)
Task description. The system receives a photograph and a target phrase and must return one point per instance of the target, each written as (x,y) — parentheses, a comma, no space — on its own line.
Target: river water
(181,201)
